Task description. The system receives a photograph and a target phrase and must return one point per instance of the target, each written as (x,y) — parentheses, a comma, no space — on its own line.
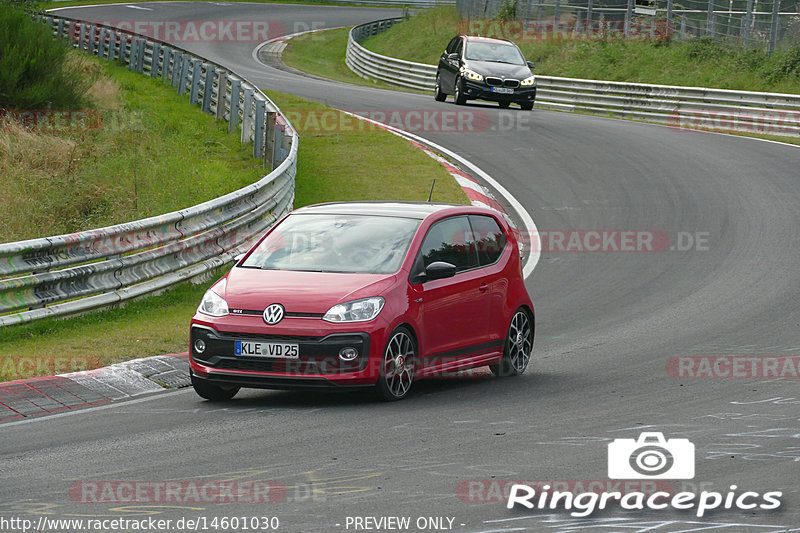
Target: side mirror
(531,65)
(439,270)
(453,57)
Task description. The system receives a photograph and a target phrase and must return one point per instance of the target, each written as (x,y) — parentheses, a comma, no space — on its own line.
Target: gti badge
(273,314)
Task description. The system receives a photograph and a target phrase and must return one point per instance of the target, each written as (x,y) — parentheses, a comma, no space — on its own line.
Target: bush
(34,72)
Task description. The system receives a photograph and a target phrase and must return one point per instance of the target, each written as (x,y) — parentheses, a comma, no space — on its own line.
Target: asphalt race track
(608,323)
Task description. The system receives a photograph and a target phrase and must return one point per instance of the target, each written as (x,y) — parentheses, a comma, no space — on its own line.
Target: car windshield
(496,52)
(336,243)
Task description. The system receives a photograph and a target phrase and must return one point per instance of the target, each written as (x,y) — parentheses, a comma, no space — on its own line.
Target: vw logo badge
(273,314)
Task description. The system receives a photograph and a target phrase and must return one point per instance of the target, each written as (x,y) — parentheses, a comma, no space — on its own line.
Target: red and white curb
(53,394)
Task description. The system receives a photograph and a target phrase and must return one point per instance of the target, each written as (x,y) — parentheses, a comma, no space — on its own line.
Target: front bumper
(481,91)
(318,364)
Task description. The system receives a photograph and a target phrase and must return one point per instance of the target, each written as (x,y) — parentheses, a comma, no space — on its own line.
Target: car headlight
(355,311)
(213,304)
(527,82)
(471,74)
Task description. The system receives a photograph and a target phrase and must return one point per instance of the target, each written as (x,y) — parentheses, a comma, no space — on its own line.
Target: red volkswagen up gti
(366,295)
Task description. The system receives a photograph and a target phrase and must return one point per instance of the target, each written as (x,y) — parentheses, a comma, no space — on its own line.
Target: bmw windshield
(494,52)
(364,244)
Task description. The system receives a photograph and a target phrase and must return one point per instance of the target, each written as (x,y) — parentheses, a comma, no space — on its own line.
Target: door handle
(483,287)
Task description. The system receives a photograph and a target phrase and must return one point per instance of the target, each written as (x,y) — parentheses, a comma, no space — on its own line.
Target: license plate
(502,90)
(268,349)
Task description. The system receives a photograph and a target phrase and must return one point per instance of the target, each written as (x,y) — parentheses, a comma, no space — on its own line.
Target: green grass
(322,54)
(701,62)
(153,153)
(71,3)
(332,166)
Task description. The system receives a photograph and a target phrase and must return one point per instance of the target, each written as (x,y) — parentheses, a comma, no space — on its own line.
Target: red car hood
(298,292)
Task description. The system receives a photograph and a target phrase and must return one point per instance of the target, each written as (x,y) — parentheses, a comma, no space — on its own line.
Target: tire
(458,96)
(438,95)
(526,107)
(504,105)
(393,385)
(519,345)
(212,392)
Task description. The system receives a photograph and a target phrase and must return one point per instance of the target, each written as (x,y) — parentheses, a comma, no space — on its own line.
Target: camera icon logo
(651,457)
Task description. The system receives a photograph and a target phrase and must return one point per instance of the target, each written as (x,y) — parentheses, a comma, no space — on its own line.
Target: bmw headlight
(471,74)
(355,311)
(213,304)
(527,82)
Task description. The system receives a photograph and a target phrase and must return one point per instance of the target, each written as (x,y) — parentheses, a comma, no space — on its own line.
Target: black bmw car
(473,68)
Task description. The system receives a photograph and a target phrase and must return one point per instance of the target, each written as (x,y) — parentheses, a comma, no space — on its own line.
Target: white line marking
(140,7)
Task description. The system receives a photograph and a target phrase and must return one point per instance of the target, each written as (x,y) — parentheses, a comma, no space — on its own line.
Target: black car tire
(212,392)
(527,106)
(459,97)
(393,386)
(519,346)
(504,105)
(438,94)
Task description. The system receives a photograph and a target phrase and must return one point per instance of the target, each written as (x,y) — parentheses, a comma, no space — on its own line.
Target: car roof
(418,210)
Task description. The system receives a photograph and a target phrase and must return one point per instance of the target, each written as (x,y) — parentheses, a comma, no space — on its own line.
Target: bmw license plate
(502,90)
(268,349)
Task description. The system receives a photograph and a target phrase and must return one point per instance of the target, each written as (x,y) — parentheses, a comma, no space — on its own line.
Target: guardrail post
(105,43)
(557,16)
(208,88)
(269,135)
(233,118)
(222,90)
(589,8)
(683,26)
(710,18)
(669,19)
(773,33)
(184,73)
(748,21)
(286,144)
(132,55)
(116,49)
(140,56)
(258,133)
(195,91)
(155,60)
(166,63)
(247,115)
(628,16)
(94,45)
(83,44)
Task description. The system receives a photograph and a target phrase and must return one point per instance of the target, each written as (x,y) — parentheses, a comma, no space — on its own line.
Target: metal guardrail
(69,274)
(681,107)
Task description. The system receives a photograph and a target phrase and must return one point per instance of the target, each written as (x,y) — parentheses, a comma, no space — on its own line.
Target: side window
(448,240)
(489,238)
(460,48)
(452,46)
